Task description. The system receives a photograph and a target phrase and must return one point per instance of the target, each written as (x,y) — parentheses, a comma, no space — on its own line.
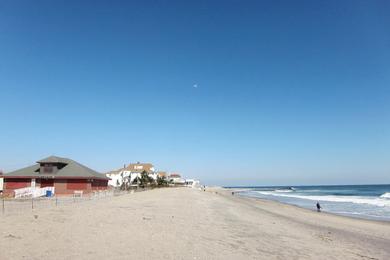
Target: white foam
(386,195)
(284,190)
(376,201)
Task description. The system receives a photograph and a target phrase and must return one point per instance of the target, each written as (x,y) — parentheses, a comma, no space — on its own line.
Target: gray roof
(72,169)
(54,159)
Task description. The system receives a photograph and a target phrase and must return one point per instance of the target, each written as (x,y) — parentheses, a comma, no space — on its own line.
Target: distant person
(318,207)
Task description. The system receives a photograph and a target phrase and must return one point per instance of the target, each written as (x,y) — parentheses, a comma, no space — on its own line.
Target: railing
(22,205)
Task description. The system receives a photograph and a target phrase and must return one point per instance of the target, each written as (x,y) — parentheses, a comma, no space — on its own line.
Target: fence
(23,205)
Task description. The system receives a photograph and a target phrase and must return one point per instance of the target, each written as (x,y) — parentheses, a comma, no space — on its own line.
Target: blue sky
(288,92)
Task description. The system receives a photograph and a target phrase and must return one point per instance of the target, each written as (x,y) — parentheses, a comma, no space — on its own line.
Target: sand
(183,223)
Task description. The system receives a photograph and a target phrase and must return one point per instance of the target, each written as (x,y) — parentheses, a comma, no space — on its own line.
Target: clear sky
(231,92)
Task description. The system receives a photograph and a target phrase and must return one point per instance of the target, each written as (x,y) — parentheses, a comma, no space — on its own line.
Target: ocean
(361,201)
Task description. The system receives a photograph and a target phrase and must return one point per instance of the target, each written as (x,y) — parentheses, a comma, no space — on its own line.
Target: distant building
(129,173)
(176,179)
(140,167)
(116,178)
(1,181)
(191,183)
(65,176)
(162,175)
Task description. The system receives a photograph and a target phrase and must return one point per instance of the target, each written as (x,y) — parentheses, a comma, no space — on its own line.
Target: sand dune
(181,223)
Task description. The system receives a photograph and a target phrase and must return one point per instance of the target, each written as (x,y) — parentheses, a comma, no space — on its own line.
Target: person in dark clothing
(318,207)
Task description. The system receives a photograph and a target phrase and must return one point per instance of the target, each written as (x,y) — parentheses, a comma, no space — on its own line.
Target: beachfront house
(176,179)
(162,174)
(54,175)
(1,181)
(191,183)
(128,174)
(116,178)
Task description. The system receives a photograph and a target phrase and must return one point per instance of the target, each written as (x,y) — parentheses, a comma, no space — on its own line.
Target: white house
(176,179)
(191,183)
(1,182)
(130,173)
(116,178)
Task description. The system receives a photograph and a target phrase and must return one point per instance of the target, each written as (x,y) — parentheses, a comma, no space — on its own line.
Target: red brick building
(65,175)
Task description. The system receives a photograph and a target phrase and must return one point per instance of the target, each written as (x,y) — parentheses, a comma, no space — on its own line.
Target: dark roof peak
(54,159)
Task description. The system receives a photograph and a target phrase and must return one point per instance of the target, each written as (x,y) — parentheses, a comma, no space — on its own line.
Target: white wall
(125,176)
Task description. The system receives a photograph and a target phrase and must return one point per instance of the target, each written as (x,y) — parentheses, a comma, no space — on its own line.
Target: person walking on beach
(318,207)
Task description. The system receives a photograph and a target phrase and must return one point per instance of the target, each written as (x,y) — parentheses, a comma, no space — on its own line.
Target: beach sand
(183,223)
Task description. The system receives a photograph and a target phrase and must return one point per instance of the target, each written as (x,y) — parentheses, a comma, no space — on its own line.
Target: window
(48,168)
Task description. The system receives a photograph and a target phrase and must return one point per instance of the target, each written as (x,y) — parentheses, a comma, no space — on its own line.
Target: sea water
(362,201)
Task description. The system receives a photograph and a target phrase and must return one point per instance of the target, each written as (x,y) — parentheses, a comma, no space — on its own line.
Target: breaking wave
(381,201)
(283,190)
(386,195)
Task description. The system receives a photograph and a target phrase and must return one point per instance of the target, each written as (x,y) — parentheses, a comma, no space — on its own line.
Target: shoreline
(276,202)
(352,216)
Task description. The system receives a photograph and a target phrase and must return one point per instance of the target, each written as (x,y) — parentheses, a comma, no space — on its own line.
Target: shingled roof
(139,167)
(70,169)
(54,159)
